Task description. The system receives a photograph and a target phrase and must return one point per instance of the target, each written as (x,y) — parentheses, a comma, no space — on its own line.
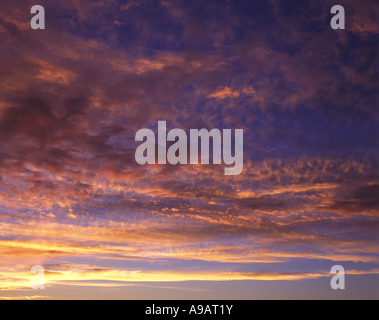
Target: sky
(74,200)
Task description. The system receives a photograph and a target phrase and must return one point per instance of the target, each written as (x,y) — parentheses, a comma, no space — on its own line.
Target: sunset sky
(74,200)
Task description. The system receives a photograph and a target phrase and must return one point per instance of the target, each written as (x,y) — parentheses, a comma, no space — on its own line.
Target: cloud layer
(72,97)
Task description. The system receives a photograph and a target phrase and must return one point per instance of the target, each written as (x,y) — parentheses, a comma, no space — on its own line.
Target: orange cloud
(224,93)
(91,275)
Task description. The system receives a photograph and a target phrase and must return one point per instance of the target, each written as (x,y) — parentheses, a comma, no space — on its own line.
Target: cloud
(73,97)
(224,93)
(358,200)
